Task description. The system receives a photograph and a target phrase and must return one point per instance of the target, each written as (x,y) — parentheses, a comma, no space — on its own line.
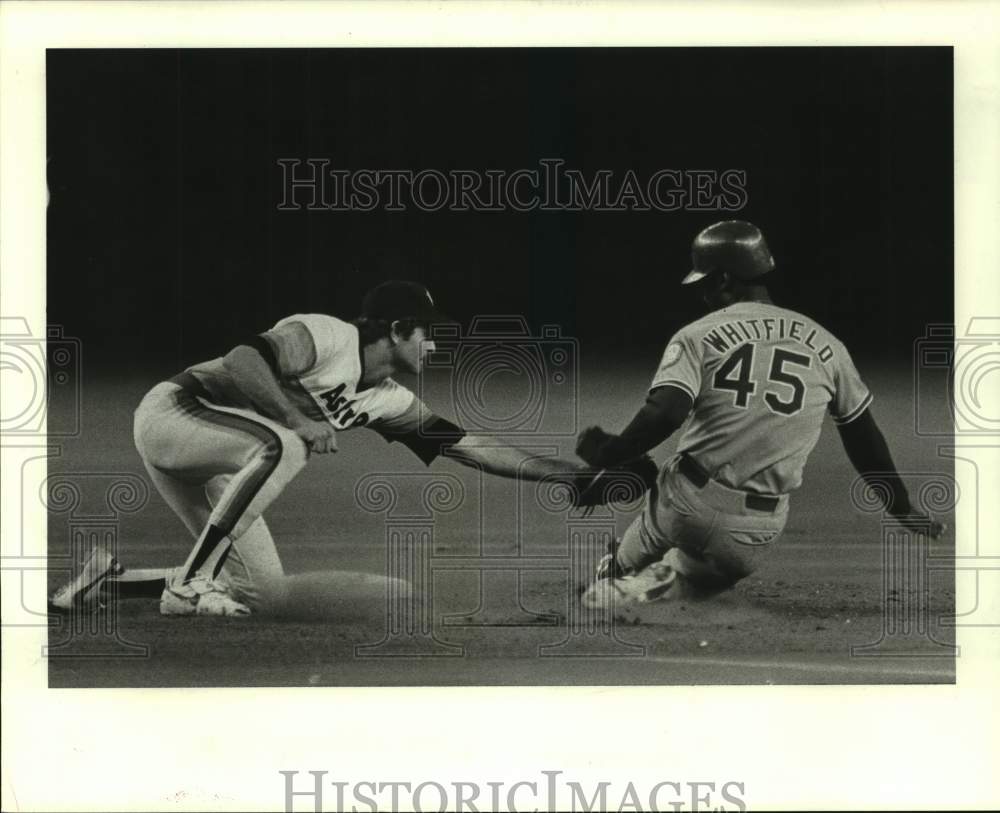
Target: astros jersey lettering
(322,384)
(762,378)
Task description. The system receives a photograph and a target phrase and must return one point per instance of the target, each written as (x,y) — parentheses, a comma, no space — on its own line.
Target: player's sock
(208,555)
(220,560)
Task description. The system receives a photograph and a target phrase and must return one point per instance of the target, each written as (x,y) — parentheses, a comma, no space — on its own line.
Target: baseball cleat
(84,591)
(650,584)
(608,567)
(200,596)
(217,603)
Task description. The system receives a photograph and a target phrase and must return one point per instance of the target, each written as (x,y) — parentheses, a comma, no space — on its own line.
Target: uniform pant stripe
(265,464)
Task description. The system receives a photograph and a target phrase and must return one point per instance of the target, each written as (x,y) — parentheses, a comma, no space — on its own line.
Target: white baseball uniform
(761,378)
(216,460)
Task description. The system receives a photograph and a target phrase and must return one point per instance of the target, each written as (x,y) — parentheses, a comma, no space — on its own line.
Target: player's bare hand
(591,444)
(319,436)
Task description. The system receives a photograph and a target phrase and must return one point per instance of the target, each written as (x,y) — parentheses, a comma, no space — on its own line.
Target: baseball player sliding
(222,440)
(753,380)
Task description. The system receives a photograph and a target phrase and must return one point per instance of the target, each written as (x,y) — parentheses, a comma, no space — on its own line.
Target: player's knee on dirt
(252,572)
(705,575)
(262,597)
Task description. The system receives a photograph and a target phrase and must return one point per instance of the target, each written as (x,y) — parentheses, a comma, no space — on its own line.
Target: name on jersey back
(731,334)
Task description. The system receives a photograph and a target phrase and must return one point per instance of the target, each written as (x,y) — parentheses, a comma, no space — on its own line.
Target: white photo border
(795,747)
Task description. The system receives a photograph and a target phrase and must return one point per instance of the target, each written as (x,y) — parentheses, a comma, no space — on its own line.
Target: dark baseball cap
(400,299)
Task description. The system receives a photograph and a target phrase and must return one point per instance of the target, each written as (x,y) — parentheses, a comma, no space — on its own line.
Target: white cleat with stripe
(650,584)
(200,596)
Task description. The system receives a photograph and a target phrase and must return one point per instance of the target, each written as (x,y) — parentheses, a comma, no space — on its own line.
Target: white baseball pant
(707,533)
(221,466)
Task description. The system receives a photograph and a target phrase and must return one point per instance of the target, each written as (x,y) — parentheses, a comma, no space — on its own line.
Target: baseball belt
(690,469)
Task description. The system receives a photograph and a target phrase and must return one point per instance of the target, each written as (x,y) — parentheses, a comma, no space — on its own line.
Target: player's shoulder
(322,326)
(318,319)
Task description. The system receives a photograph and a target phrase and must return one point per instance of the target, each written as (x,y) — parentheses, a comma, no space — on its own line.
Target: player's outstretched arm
(494,456)
(869,454)
(665,410)
(430,436)
(588,487)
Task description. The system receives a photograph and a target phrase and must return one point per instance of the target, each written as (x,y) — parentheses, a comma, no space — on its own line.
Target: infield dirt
(503,609)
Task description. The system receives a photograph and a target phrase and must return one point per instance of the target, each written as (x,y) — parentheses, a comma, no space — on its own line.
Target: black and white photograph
(627,342)
(549,365)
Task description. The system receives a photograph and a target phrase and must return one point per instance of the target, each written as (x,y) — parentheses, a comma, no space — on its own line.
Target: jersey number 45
(734,374)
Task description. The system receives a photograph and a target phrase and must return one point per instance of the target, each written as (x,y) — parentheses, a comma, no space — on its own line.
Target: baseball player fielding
(221,440)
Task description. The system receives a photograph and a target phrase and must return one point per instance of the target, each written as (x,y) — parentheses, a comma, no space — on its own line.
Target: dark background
(165,245)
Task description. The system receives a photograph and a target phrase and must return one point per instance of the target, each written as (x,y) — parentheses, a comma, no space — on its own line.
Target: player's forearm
(255,379)
(495,457)
(647,430)
(869,454)
(659,417)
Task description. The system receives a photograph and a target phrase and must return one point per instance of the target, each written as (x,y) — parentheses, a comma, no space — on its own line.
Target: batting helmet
(730,245)
(400,299)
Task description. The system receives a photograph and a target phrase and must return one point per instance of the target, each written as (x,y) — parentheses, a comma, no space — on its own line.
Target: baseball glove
(623,483)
